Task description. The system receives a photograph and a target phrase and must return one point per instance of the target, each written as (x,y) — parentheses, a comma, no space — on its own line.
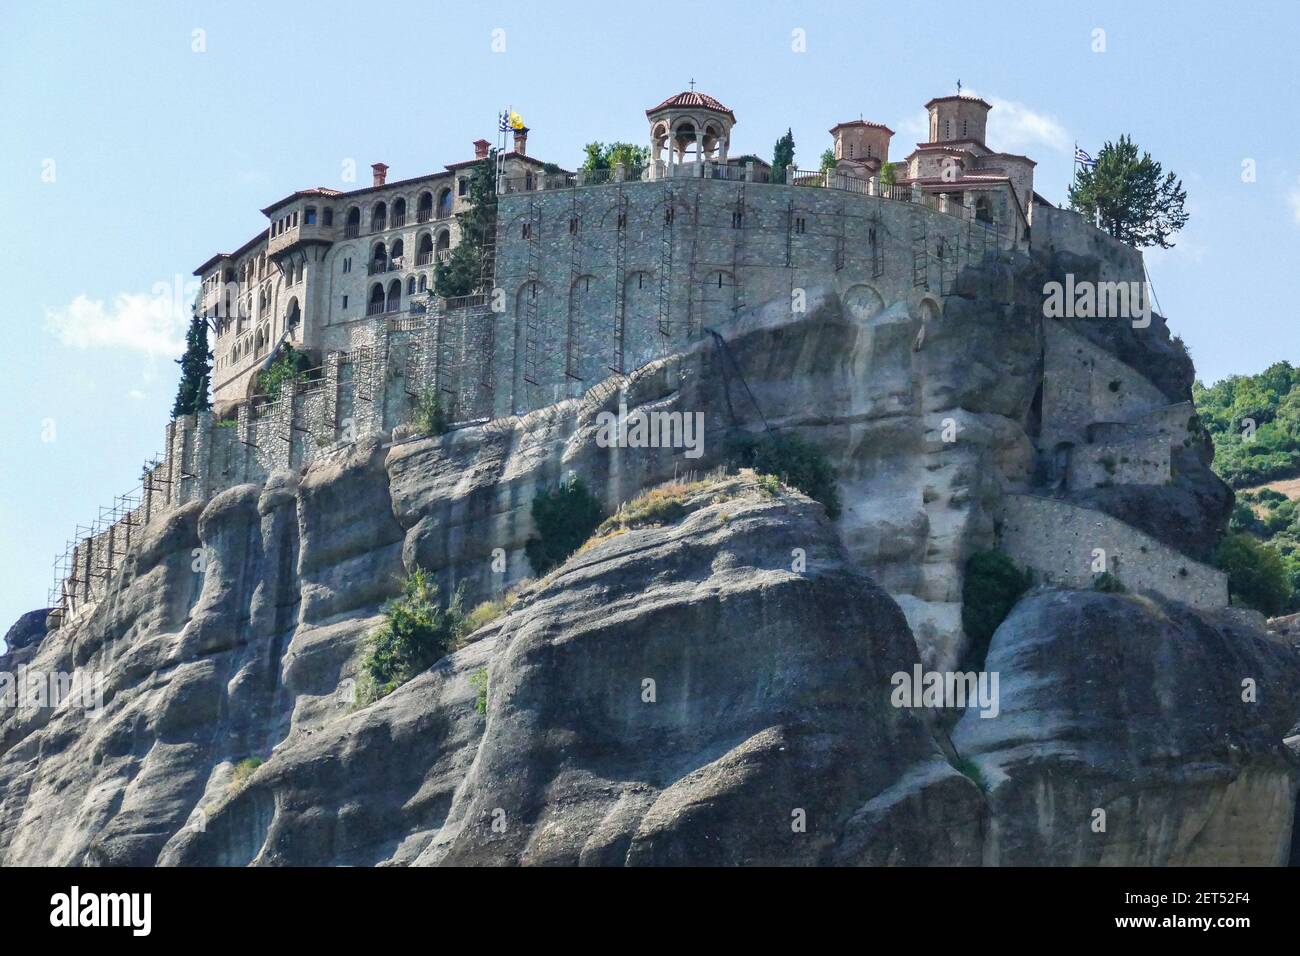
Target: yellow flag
(516,121)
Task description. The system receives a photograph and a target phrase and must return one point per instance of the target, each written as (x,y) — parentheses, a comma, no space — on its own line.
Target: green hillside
(1255,423)
(1270,401)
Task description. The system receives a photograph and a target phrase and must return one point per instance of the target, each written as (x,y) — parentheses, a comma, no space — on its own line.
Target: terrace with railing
(749,173)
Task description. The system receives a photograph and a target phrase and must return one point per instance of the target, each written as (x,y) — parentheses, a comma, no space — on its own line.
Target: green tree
(887,175)
(288,365)
(1257,576)
(796,462)
(564,517)
(828,159)
(782,156)
(430,416)
(606,156)
(1255,423)
(1135,200)
(470,263)
(196,370)
(990,589)
(417,631)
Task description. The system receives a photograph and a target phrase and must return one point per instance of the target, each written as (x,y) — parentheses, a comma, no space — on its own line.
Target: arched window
(443,248)
(294,315)
(410,285)
(378,259)
(394,295)
(424,209)
(395,257)
(399,213)
(353,226)
(444,202)
(379,217)
(375,304)
(424,250)
(983,209)
(424,282)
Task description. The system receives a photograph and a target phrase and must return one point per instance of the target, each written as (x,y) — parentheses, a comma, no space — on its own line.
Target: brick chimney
(481,148)
(521,141)
(381,173)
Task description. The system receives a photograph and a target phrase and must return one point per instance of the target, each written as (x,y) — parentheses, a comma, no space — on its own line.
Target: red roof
(324,191)
(861,123)
(691,100)
(964,99)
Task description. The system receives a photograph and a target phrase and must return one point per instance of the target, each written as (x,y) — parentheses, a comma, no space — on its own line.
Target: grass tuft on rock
(794,461)
(243,771)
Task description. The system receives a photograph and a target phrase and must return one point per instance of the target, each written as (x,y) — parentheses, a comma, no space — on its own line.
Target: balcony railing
(375,268)
(828,179)
(375,308)
(351,230)
(424,215)
(443,255)
(379,224)
(399,219)
(424,258)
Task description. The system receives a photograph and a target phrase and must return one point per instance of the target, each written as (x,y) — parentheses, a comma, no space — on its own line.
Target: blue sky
(129,158)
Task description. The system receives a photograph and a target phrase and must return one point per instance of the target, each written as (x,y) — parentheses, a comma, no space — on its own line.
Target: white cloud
(1013,128)
(143,323)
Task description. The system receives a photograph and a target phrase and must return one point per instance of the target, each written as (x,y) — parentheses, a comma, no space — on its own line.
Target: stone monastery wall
(603,280)
(1057,540)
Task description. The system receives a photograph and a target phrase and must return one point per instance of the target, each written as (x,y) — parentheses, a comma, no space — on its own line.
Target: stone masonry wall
(1086,384)
(604,279)
(1057,540)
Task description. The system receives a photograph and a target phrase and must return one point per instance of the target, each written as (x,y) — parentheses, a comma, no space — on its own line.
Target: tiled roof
(965,99)
(314,191)
(861,123)
(690,99)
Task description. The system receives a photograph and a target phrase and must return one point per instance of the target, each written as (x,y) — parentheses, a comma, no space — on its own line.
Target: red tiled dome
(691,100)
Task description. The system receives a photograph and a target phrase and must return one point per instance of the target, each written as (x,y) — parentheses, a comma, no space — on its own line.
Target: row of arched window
(386,257)
(392,215)
(389,299)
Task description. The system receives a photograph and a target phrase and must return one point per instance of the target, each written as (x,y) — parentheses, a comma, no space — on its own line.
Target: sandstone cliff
(233,634)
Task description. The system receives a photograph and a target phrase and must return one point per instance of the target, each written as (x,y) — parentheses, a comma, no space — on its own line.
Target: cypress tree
(782,156)
(196,369)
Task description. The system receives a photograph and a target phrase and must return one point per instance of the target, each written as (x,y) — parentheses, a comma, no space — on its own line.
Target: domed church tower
(693,127)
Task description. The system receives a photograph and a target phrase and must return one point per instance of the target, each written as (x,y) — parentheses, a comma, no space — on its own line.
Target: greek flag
(1082,158)
(503,121)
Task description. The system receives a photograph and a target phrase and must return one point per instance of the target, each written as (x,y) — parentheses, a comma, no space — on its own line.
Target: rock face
(715,690)
(672,695)
(27,630)
(1169,723)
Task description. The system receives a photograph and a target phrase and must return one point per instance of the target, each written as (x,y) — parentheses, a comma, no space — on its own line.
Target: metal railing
(477,300)
(424,258)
